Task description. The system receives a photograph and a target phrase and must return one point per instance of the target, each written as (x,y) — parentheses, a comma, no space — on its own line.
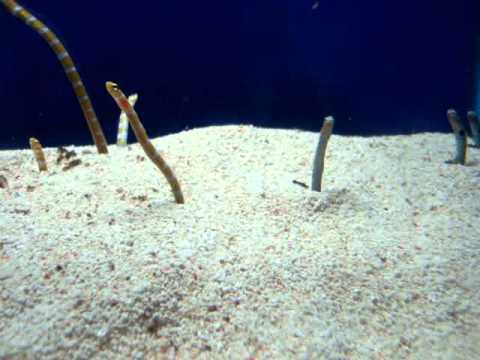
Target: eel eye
(111,86)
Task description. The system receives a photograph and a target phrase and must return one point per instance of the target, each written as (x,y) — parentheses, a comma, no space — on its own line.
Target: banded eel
(143,139)
(38,153)
(69,67)
(122,134)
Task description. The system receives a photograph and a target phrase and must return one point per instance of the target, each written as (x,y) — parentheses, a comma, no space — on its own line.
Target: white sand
(99,262)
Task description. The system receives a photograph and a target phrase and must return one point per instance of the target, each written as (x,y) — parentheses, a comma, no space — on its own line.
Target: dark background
(380,67)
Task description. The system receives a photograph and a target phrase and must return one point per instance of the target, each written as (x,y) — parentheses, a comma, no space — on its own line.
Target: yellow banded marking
(73,77)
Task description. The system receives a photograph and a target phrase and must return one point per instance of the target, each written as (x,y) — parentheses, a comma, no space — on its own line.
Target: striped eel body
(142,137)
(39,154)
(93,124)
(122,134)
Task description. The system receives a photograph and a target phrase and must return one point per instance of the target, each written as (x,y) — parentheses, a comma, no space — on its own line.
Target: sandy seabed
(98,261)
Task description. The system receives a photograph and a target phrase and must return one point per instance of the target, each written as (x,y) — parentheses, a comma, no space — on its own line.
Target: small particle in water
(315,5)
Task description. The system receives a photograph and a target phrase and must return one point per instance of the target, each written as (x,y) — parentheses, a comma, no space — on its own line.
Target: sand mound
(97,260)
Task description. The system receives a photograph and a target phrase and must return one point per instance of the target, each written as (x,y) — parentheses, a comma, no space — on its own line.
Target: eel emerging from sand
(93,124)
(142,137)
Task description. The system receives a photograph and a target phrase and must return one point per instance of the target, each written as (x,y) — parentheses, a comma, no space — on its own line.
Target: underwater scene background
(378,67)
(252,240)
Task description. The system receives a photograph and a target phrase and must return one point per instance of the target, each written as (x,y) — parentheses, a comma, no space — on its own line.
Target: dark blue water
(379,67)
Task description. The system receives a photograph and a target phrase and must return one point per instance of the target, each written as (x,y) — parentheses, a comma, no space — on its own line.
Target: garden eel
(94,126)
(39,154)
(143,139)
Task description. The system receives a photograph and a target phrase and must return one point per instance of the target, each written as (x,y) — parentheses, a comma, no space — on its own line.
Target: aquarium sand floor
(97,261)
